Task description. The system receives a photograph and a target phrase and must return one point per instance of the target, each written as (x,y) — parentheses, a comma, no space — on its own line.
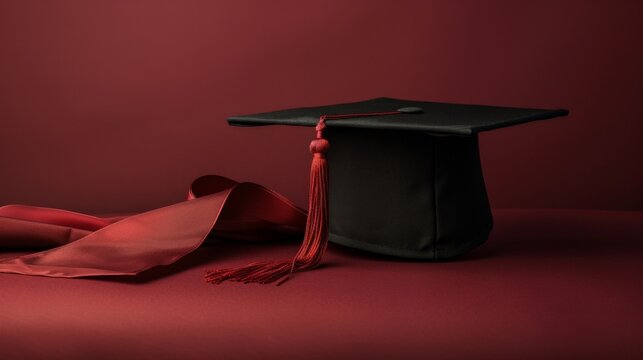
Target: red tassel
(315,237)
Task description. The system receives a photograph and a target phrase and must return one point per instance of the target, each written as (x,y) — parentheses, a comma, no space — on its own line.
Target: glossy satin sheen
(82,245)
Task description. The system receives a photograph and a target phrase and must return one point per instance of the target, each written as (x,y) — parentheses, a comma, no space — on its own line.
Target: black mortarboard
(404,179)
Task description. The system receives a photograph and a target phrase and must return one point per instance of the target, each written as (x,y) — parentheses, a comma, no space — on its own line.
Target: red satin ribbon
(83,245)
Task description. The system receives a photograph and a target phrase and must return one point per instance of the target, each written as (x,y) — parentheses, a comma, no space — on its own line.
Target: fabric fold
(84,245)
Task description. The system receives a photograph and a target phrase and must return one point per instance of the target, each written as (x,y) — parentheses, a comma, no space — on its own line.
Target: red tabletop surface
(547,284)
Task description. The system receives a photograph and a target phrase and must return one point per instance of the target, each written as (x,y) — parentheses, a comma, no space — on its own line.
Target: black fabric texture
(406,194)
(438,118)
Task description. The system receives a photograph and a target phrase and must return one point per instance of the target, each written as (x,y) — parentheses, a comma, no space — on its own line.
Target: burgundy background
(116,106)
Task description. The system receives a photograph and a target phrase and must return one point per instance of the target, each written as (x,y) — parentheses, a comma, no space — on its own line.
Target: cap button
(410,110)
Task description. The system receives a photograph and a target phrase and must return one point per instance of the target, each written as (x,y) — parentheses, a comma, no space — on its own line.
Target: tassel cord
(315,240)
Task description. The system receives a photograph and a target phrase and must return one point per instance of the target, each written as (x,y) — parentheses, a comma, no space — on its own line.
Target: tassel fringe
(315,237)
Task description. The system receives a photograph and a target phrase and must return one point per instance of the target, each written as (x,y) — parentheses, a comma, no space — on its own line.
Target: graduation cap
(389,176)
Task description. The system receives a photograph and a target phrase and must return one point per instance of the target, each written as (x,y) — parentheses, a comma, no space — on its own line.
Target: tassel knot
(319,146)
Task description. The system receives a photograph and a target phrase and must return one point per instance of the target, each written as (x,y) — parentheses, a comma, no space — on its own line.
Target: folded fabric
(83,245)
